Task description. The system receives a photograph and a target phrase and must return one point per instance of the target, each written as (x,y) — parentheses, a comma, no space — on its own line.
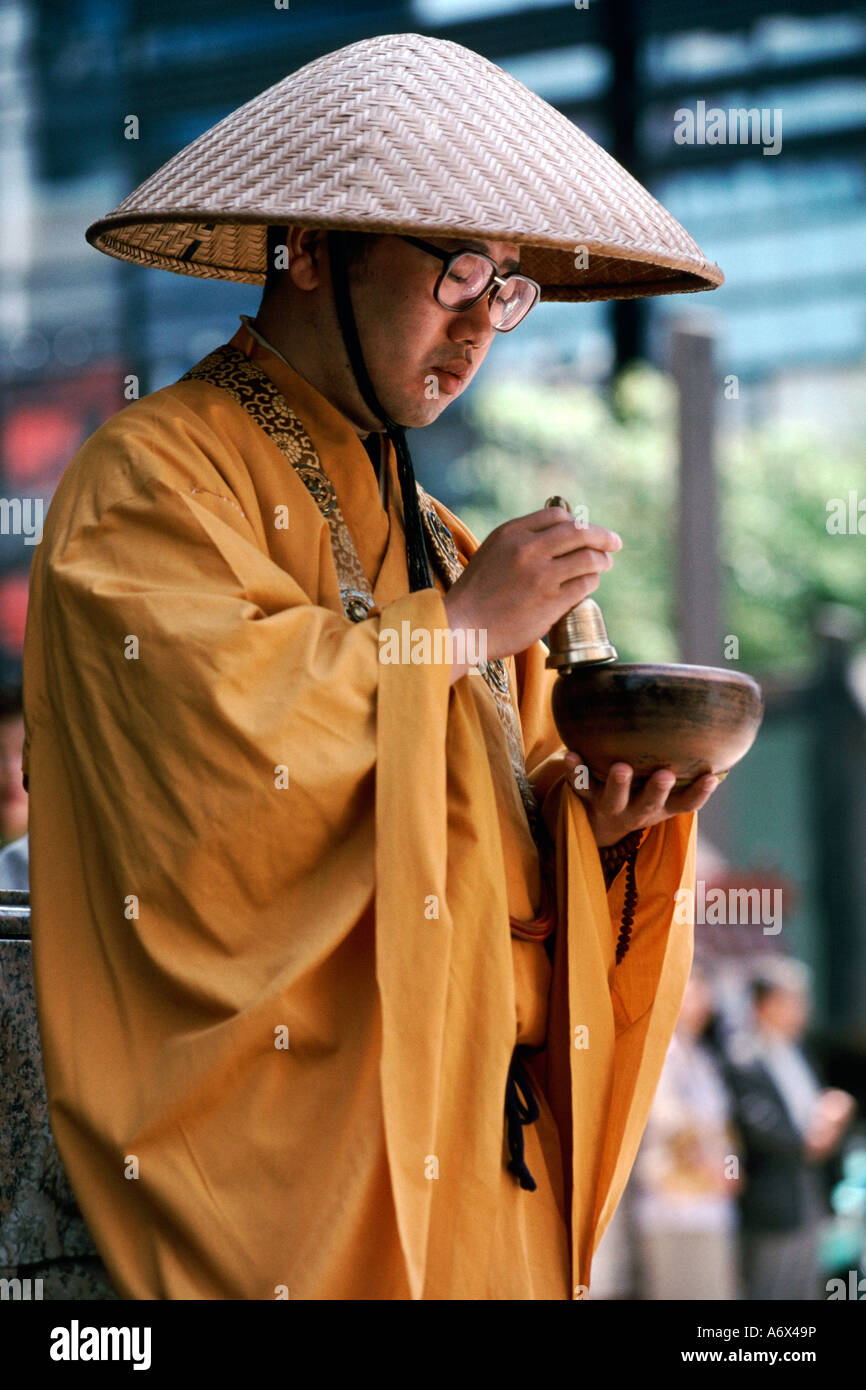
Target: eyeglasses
(470,275)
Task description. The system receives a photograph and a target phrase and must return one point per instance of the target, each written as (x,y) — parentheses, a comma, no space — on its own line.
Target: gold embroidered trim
(234,373)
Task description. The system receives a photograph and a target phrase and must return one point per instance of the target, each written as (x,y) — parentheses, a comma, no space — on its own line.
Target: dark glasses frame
(496,280)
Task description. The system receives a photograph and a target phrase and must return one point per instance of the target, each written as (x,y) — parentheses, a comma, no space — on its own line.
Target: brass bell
(691,719)
(579,636)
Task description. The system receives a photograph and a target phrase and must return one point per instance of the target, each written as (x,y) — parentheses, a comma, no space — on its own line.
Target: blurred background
(721,434)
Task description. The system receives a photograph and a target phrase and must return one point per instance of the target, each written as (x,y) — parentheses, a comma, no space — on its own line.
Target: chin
(416,414)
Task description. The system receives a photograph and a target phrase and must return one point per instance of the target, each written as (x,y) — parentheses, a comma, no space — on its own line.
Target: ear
(305,246)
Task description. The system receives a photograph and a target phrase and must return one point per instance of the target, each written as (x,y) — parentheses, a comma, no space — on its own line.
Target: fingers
(566,537)
(546,517)
(582,780)
(651,802)
(578,563)
(693,797)
(579,555)
(571,553)
(549,553)
(614,798)
(658,800)
(563,533)
(612,795)
(655,801)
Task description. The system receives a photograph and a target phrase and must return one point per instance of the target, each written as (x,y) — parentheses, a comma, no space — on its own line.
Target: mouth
(453,377)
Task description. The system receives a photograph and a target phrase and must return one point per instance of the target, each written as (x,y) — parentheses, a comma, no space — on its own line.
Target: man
(790,1125)
(359,1022)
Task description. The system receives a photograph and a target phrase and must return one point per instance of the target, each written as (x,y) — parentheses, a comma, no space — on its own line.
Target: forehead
(504,253)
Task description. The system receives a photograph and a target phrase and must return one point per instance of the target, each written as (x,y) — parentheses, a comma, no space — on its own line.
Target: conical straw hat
(405,133)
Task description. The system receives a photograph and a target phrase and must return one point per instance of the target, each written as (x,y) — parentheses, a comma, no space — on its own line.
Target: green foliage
(781,562)
(618,458)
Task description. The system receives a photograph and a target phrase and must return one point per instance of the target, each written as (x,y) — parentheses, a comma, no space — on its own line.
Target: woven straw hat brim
(410,134)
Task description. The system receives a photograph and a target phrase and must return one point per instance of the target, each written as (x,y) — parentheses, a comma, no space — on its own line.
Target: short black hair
(761,990)
(355,247)
(783,976)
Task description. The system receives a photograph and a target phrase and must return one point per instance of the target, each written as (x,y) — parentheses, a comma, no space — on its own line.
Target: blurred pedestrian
(789,1124)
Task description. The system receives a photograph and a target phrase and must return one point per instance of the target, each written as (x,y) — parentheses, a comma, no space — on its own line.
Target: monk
(280,873)
(344,991)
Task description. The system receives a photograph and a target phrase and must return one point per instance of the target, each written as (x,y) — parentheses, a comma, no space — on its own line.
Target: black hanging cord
(517,1114)
(416,548)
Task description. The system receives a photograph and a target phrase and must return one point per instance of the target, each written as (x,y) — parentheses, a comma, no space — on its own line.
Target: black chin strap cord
(416,549)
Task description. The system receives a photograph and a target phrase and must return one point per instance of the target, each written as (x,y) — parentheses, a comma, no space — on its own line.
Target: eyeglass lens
(468,278)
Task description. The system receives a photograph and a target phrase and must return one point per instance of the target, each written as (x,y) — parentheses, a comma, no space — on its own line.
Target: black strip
(416,544)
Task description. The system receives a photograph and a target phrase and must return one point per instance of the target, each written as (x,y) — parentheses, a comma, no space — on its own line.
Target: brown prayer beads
(612,859)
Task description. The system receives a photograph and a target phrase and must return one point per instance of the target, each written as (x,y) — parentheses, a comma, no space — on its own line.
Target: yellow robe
(271,880)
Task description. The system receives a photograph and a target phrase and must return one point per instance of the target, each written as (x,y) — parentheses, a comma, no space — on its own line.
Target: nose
(473,325)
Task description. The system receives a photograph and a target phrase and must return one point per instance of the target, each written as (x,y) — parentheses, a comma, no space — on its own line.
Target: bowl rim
(714,674)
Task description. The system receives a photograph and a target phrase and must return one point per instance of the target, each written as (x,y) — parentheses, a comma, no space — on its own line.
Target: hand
(614,810)
(833,1112)
(836,1107)
(523,578)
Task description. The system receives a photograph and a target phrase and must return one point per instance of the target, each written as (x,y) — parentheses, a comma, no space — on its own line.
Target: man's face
(420,356)
(785,1011)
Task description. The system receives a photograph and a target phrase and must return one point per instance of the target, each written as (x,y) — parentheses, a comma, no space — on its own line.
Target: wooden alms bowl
(691,719)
